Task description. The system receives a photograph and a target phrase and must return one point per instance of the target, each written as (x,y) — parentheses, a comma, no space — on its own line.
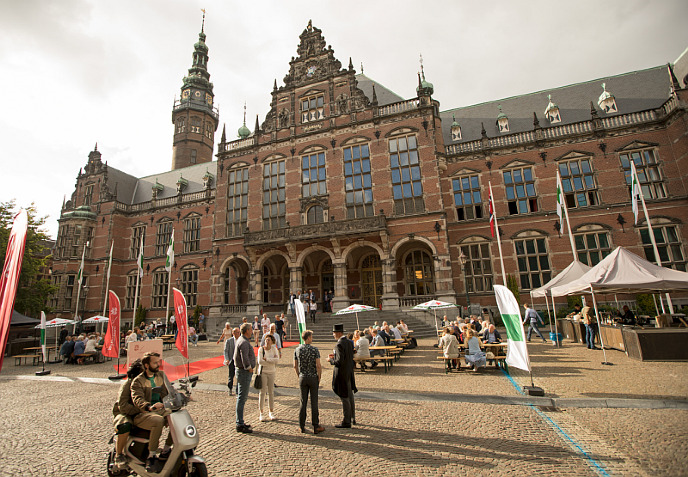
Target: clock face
(311,71)
(197,94)
(209,99)
(185,94)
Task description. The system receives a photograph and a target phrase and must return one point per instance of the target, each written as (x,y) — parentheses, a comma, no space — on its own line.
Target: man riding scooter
(124,412)
(152,410)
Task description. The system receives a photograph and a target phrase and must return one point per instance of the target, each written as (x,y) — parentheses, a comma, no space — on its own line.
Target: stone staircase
(420,322)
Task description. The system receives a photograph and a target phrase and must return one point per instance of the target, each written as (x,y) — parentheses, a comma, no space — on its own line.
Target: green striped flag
(635,192)
(43,344)
(300,317)
(139,261)
(517,351)
(560,200)
(170,254)
(80,273)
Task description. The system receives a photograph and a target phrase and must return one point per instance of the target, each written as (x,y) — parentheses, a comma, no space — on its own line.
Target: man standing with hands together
(343,383)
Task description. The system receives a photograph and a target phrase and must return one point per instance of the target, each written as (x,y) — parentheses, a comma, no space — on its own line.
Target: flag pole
(566,213)
(499,241)
(78,287)
(168,267)
(107,281)
(636,188)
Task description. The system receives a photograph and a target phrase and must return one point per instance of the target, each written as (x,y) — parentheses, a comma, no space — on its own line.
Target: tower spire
(203,23)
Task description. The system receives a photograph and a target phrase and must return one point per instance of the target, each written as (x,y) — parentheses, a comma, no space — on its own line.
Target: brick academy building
(346,186)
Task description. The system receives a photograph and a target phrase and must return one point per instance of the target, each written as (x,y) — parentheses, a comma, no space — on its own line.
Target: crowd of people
(310,303)
(470,332)
(75,348)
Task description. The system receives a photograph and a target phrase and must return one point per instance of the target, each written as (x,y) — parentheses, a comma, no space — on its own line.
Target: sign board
(136,349)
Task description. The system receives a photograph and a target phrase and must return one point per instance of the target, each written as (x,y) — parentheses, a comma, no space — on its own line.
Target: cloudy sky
(77,72)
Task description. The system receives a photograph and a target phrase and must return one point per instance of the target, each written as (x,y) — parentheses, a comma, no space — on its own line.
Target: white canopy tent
(624,271)
(574,271)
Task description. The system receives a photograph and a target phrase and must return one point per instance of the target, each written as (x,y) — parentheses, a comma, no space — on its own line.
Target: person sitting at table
(476,323)
(377,341)
(576,313)
(450,347)
(396,333)
(456,331)
(404,327)
(627,317)
(475,357)
(362,349)
(79,348)
(384,334)
(492,335)
(90,346)
(67,350)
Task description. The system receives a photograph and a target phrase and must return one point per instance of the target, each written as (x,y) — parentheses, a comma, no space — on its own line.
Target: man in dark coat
(343,382)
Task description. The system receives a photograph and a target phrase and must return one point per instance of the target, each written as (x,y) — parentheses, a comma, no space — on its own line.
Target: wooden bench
(499,360)
(168,344)
(35,357)
(386,360)
(448,363)
(87,356)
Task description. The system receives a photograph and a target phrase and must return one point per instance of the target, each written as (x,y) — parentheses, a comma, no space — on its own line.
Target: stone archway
(416,278)
(235,283)
(364,276)
(275,284)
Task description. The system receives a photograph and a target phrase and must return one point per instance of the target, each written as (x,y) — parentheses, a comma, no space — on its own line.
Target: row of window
(195,126)
(71,240)
(592,245)
(191,238)
(577,179)
(406,184)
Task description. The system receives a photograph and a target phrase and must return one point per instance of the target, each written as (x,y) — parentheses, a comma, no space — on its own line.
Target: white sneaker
(272,417)
(261,418)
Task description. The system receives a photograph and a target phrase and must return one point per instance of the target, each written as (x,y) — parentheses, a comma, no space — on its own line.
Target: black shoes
(354,422)
(165,454)
(245,429)
(153,465)
(303,430)
(343,426)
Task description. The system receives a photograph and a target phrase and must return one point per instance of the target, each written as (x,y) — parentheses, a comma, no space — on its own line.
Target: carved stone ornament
(315,59)
(321,200)
(284,118)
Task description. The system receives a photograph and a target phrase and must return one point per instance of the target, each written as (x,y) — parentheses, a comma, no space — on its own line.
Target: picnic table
(495,352)
(167,341)
(37,352)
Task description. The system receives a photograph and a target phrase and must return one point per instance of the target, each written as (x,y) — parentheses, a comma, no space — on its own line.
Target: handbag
(258,380)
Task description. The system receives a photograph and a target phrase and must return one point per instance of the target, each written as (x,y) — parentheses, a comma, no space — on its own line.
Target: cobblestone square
(415,420)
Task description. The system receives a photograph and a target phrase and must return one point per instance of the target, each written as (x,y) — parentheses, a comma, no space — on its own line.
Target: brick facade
(262,236)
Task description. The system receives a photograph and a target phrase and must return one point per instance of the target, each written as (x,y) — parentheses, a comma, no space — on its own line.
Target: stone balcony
(316,231)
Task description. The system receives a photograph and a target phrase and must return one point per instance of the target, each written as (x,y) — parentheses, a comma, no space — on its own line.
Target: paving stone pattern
(61,427)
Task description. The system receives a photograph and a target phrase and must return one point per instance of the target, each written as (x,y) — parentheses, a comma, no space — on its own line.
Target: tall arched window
(420,276)
(478,266)
(315,215)
(190,284)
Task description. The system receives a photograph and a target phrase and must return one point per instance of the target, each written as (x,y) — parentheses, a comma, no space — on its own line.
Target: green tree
(141,313)
(512,284)
(33,292)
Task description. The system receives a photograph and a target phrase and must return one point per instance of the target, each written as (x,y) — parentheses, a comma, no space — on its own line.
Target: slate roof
(384,95)
(132,190)
(634,91)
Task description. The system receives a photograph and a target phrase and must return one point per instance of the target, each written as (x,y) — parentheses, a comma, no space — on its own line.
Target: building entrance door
(371,281)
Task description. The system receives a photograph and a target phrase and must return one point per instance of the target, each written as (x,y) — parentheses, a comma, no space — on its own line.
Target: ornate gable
(315,62)
(516,163)
(465,172)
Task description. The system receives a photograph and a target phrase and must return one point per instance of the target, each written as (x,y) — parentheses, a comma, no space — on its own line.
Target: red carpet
(195,367)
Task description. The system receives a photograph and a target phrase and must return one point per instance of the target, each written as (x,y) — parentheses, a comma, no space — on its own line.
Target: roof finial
(361,67)
(203,24)
(310,25)
(421,67)
(244,113)
(96,148)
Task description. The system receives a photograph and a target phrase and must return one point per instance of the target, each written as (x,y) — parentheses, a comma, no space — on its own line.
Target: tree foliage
(33,292)
(512,284)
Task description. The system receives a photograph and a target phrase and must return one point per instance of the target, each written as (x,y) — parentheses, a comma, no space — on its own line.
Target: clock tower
(194,116)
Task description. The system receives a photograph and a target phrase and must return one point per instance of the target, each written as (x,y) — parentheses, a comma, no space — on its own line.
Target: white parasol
(355,309)
(434,305)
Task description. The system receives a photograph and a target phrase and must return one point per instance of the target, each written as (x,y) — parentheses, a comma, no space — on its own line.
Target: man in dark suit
(343,383)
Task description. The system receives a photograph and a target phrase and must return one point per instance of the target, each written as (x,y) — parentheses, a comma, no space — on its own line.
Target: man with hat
(343,383)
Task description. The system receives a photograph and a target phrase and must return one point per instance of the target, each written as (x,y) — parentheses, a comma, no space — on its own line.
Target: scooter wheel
(111,467)
(199,470)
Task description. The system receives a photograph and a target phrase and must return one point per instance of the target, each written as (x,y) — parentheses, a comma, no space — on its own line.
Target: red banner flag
(111,342)
(10,276)
(182,342)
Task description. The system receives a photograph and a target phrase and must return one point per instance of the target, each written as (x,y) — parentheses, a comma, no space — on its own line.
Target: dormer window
(502,122)
(552,112)
(606,101)
(312,108)
(181,184)
(455,130)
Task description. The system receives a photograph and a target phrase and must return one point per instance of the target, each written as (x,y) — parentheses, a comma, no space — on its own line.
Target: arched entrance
(317,275)
(371,280)
(275,283)
(235,283)
(415,272)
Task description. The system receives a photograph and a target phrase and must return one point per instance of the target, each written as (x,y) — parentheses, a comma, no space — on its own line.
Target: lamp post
(463,260)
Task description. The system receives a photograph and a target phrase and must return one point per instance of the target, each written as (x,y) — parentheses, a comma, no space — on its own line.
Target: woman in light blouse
(268,356)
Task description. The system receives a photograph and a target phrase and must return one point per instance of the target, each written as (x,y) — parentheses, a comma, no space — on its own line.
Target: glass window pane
(392,145)
(412,142)
(530,246)
(528,174)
